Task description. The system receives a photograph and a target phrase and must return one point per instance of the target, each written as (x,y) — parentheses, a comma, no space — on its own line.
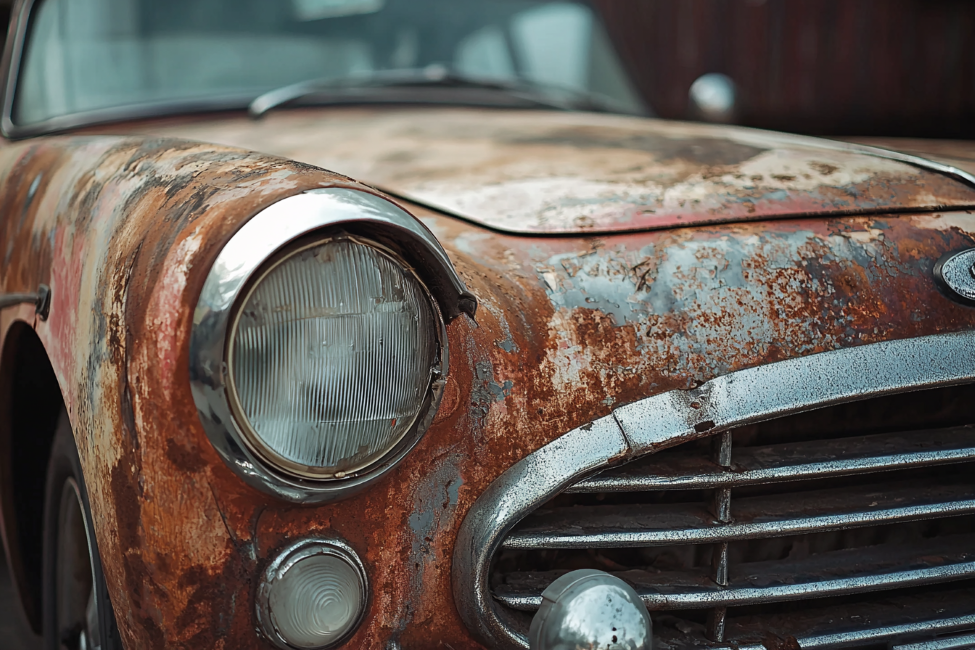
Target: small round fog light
(313,595)
(591,609)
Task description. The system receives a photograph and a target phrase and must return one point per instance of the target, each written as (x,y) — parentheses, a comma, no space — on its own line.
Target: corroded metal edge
(675,417)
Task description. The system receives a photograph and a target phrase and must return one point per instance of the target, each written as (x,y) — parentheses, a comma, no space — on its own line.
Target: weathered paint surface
(544,172)
(125,229)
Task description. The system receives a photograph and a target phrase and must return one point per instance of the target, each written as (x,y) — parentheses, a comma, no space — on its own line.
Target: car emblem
(956,272)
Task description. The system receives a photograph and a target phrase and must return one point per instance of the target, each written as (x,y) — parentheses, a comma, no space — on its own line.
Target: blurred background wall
(840,67)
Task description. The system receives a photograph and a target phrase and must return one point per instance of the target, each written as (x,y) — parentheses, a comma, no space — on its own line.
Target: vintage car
(548,373)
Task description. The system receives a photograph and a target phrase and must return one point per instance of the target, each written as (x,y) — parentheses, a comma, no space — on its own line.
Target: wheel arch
(30,404)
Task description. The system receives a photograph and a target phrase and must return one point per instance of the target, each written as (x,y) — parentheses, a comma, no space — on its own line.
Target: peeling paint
(961,221)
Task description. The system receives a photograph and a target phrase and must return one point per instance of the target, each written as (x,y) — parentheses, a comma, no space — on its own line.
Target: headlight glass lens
(331,357)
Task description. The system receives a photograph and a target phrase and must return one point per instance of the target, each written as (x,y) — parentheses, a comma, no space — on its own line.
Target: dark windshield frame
(17,37)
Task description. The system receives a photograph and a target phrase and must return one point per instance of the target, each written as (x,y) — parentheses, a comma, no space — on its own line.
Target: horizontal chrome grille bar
(740,596)
(892,619)
(889,617)
(753,518)
(874,635)
(858,637)
(828,574)
(963,642)
(788,462)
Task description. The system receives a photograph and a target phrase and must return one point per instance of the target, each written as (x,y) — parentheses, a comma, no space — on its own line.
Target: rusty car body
(714,361)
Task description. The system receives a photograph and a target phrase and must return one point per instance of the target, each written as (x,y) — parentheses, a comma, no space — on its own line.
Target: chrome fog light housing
(312,596)
(590,609)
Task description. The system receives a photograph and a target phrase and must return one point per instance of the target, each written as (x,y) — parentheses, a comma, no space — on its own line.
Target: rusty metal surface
(124,229)
(544,172)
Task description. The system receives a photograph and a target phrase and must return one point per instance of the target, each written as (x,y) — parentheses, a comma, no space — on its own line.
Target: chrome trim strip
(669,419)
(523,487)
(796,385)
(245,253)
(916,161)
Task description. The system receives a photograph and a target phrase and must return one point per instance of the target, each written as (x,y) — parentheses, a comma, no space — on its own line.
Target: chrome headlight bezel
(314,217)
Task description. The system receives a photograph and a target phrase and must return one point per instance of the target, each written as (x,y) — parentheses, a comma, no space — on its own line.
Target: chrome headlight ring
(317,216)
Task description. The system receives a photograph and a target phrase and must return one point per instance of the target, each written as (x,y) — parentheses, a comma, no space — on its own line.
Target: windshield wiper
(436,76)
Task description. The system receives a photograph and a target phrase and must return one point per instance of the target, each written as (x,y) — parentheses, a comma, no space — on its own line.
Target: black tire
(77,612)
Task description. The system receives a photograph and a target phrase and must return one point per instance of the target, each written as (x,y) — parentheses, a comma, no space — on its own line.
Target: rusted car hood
(547,172)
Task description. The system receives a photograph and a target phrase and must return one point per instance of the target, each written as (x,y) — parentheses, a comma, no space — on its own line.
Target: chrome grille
(794,505)
(730,544)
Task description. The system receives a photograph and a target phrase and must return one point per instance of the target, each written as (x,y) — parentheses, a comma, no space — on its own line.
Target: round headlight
(330,357)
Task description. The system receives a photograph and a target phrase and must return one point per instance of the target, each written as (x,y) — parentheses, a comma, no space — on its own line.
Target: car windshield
(85,56)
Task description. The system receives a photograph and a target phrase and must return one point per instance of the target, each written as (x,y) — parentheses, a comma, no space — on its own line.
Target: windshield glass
(89,55)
